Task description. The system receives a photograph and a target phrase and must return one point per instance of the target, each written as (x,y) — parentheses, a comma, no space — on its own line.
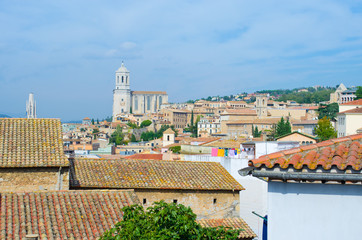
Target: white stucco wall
(253,198)
(302,211)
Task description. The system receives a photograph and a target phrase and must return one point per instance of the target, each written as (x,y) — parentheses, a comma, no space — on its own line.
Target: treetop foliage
(330,111)
(164,221)
(359,93)
(283,127)
(324,130)
(145,123)
(117,136)
(150,135)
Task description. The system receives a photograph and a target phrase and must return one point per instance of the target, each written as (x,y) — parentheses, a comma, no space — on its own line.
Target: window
(135,103)
(122,79)
(214,200)
(168,137)
(175,201)
(148,103)
(144,201)
(159,101)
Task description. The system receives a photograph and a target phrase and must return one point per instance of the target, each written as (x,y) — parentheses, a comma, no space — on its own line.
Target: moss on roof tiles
(151,174)
(31,143)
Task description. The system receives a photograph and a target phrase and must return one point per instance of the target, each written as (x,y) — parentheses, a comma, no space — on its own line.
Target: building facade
(126,101)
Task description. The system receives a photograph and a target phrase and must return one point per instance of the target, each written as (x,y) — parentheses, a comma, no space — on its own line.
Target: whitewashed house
(314,191)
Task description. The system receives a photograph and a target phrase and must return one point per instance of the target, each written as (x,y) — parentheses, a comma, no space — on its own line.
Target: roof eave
(285,176)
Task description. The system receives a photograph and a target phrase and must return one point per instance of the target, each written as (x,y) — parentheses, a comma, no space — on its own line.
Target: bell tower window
(122,79)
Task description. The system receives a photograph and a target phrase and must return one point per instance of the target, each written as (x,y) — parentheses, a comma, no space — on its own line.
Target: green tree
(359,93)
(330,111)
(256,132)
(150,135)
(175,149)
(95,133)
(97,121)
(164,221)
(145,123)
(324,130)
(132,125)
(282,128)
(92,121)
(133,138)
(117,137)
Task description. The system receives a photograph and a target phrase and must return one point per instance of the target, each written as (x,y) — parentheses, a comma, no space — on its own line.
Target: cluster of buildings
(66,181)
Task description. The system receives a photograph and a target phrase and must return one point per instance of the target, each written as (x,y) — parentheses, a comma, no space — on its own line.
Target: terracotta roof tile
(151,174)
(62,214)
(341,153)
(235,223)
(31,143)
(355,102)
(145,156)
(354,110)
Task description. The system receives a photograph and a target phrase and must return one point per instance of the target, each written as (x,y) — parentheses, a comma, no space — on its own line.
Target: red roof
(343,153)
(355,102)
(354,110)
(62,214)
(234,223)
(145,156)
(151,174)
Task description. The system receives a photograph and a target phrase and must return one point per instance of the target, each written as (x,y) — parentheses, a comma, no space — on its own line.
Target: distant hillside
(319,95)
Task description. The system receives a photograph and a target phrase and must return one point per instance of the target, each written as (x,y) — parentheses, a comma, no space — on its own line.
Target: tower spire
(31,107)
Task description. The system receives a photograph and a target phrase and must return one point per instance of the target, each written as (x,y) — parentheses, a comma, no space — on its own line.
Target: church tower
(261,106)
(121,93)
(31,107)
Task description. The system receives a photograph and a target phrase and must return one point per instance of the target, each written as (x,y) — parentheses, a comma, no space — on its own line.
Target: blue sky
(67,52)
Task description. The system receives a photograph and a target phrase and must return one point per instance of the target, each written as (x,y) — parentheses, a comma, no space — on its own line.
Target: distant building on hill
(343,95)
(126,101)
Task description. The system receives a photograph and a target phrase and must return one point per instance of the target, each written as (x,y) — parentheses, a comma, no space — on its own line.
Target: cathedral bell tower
(121,93)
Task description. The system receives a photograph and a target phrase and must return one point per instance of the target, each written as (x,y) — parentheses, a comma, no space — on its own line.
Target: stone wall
(206,204)
(34,179)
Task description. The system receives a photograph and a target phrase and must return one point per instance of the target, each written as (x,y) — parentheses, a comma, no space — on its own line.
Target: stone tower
(31,107)
(121,93)
(261,106)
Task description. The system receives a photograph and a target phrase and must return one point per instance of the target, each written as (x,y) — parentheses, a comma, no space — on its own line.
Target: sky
(67,52)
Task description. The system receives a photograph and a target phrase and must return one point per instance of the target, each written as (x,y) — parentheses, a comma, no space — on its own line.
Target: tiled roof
(243,111)
(235,223)
(62,214)
(304,122)
(225,143)
(31,143)
(152,174)
(354,110)
(145,156)
(343,153)
(255,121)
(169,131)
(296,132)
(355,102)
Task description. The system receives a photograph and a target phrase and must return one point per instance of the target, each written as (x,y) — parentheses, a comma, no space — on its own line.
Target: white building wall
(353,122)
(301,211)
